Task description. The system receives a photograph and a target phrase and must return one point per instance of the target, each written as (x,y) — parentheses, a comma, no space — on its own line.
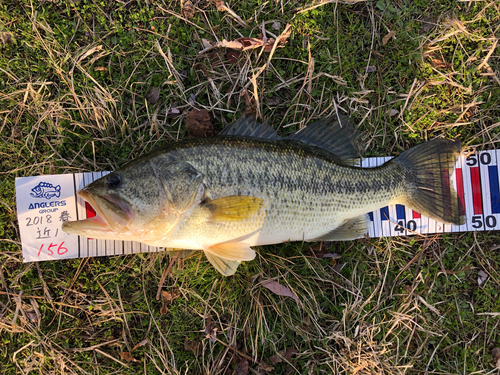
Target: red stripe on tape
(476,191)
(460,192)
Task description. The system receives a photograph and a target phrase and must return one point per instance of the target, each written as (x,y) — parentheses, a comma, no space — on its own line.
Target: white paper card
(43,204)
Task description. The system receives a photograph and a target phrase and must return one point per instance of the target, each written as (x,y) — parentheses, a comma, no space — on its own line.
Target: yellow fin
(226,257)
(234,207)
(232,251)
(224,266)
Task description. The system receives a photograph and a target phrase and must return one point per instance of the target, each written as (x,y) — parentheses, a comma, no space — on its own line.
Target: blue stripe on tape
(400,212)
(384,213)
(494,189)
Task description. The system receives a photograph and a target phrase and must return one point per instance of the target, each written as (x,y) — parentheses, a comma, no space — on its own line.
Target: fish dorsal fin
(233,207)
(337,137)
(248,127)
(352,229)
(227,256)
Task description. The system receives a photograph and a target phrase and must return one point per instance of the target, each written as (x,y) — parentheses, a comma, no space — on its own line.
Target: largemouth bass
(250,187)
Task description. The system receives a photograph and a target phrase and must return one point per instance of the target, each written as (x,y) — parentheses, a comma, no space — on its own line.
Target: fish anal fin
(233,208)
(352,229)
(227,256)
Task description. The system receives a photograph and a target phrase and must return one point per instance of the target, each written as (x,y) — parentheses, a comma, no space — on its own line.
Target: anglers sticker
(45,202)
(46,190)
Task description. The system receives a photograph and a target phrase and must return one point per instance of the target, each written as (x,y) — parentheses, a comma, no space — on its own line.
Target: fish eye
(114,180)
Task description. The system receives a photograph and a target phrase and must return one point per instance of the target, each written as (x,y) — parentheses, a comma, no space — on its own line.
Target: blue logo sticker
(46,190)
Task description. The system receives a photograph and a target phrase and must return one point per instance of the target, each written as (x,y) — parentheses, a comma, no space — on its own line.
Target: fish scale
(309,196)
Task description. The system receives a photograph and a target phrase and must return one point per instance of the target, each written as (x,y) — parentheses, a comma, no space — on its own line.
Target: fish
(46,190)
(250,187)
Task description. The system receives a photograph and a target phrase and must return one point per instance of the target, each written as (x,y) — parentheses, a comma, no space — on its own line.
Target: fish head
(141,202)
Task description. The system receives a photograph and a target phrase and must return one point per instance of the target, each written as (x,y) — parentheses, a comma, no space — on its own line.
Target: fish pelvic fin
(180,253)
(428,168)
(352,229)
(234,207)
(227,256)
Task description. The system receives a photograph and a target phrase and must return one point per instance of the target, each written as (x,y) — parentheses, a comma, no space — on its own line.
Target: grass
(74,77)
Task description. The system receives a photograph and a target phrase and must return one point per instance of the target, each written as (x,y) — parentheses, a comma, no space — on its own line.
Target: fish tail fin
(428,168)
(58,191)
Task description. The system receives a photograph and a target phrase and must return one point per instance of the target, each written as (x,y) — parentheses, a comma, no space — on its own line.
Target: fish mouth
(111,216)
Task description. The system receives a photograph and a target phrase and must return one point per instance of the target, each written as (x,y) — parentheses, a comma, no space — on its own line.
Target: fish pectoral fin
(352,229)
(233,207)
(226,257)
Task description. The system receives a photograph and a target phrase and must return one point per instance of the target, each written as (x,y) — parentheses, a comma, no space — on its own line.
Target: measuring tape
(476,182)
(44,202)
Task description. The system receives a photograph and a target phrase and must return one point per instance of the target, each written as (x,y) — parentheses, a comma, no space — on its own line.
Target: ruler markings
(377,220)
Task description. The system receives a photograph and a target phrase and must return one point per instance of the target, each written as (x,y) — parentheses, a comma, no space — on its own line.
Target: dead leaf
(210,331)
(289,353)
(234,57)
(153,95)
(427,24)
(193,346)
(495,356)
(192,99)
(168,297)
(371,69)
(101,69)
(16,131)
(393,112)
(128,357)
(273,101)
(245,44)
(221,7)
(265,367)
(331,255)
(250,106)
(279,289)
(187,9)
(142,343)
(32,316)
(482,277)
(6,38)
(438,61)
(388,37)
(163,310)
(242,367)
(206,43)
(173,112)
(198,124)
